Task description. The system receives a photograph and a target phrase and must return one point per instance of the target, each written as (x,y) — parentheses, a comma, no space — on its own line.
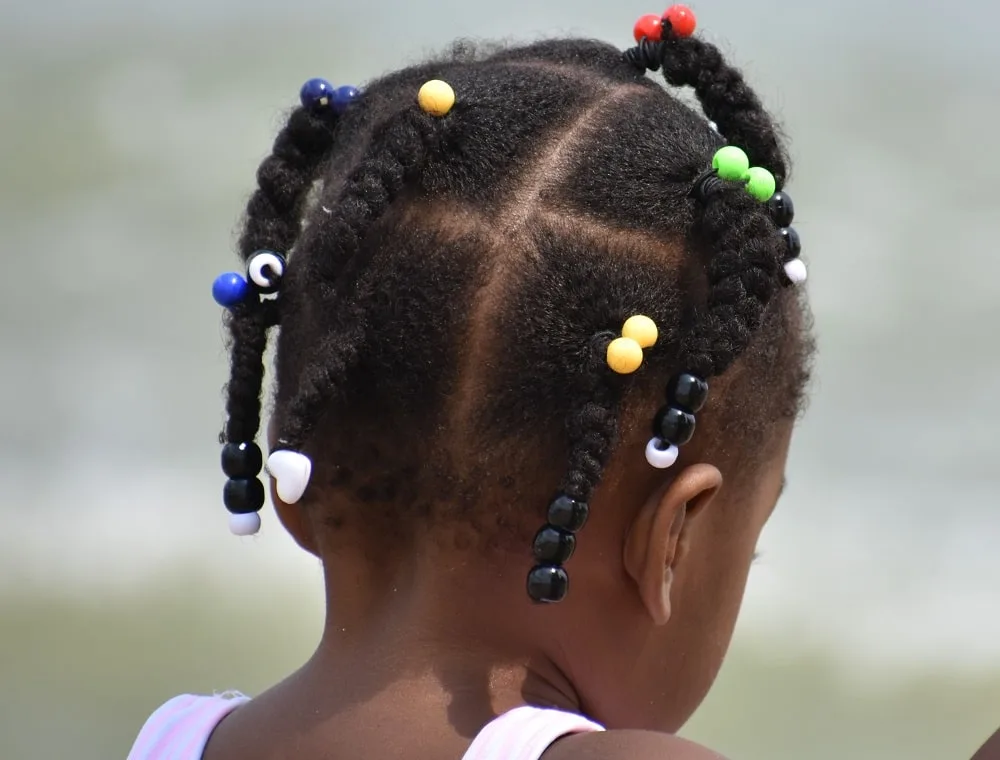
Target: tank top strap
(179,729)
(525,733)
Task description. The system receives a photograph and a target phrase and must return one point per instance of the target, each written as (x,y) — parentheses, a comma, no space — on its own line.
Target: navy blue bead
(567,513)
(687,392)
(229,289)
(316,93)
(343,96)
(243,495)
(547,584)
(241,460)
(673,425)
(553,545)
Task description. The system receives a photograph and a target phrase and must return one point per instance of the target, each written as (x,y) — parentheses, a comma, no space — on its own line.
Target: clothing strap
(525,733)
(180,729)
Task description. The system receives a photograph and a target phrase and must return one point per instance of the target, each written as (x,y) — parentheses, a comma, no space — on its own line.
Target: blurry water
(131,133)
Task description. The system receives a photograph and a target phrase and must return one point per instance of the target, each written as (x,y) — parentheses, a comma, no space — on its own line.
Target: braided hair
(454,279)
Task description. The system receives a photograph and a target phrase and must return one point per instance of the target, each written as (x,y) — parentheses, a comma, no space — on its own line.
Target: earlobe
(657,537)
(292,518)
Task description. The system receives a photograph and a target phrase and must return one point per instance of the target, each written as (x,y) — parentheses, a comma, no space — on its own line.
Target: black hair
(452,282)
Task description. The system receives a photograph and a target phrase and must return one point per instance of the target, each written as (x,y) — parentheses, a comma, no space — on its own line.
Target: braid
(284,179)
(742,278)
(272,222)
(396,156)
(725,98)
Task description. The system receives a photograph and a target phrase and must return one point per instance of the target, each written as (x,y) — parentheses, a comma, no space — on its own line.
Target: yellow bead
(641,329)
(436,97)
(624,355)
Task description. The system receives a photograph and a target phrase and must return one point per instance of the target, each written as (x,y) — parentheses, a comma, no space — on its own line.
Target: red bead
(680,20)
(650,27)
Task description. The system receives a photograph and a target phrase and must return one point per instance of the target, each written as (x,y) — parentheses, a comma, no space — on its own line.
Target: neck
(395,629)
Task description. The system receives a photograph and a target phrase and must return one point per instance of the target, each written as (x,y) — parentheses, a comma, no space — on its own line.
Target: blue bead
(229,289)
(343,97)
(316,93)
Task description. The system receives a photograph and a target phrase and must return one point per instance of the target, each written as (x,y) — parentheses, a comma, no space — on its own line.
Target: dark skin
(990,750)
(424,649)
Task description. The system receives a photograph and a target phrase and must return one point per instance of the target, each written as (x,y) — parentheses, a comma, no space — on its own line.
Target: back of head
(452,280)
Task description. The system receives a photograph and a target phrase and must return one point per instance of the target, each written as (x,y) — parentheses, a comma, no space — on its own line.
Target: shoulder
(990,750)
(180,728)
(629,745)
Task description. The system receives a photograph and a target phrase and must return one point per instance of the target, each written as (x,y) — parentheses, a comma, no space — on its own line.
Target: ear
(292,517)
(657,537)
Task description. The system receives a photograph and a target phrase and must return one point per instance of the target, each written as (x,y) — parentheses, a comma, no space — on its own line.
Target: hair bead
(291,471)
(661,454)
(568,513)
(316,94)
(265,270)
(229,289)
(343,97)
(553,545)
(648,27)
(688,392)
(792,241)
(795,271)
(242,495)
(680,20)
(624,355)
(731,163)
(760,183)
(641,329)
(781,208)
(244,523)
(673,425)
(242,460)
(436,97)
(547,584)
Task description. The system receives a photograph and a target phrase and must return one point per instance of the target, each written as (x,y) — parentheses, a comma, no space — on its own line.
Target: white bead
(661,458)
(795,270)
(261,261)
(244,525)
(291,471)
(713,126)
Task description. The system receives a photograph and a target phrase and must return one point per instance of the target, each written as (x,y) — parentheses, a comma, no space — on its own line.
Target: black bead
(673,425)
(547,584)
(687,392)
(781,208)
(241,460)
(793,241)
(243,495)
(553,545)
(568,514)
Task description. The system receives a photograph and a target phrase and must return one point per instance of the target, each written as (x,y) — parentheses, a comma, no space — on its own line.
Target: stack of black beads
(674,423)
(782,212)
(553,546)
(243,493)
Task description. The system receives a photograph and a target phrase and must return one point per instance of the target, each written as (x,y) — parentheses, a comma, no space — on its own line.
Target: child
(490,276)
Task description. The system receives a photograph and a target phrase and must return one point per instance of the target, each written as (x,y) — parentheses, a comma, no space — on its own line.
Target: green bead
(731,163)
(760,183)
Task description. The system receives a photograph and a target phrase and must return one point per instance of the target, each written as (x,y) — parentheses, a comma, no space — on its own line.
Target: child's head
(454,280)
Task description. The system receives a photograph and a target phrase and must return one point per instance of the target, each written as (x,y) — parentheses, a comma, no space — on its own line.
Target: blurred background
(131,131)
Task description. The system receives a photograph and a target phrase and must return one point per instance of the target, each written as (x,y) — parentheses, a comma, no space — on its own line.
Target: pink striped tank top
(179,730)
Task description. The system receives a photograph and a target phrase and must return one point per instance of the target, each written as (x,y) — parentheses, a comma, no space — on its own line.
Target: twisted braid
(272,222)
